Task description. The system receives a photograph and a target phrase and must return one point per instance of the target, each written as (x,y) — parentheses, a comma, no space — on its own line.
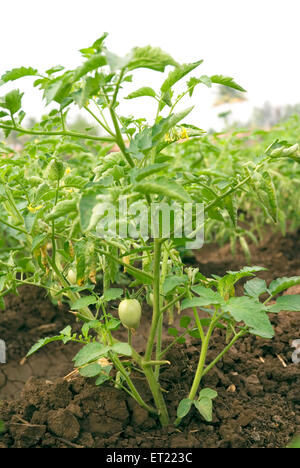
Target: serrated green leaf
(177,74)
(84,301)
(160,129)
(165,187)
(42,342)
(208,294)
(140,174)
(150,57)
(90,352)
(91,370)
(255,287)
(281,284)
(230,205)
(252,313)
(185,321)
(93,63)
(172,281)
(74,181)
(122,348)
(17,73)
(144,91)
(226,81)
(288,302)
(12,101)
(62,208)
(172,331)
(38,241)
(112,293)
(195,302)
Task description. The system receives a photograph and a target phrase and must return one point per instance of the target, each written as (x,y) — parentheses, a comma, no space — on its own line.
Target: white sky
(254,41)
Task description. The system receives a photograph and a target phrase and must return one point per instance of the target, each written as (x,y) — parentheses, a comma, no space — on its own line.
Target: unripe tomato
(130,313)
(71,276)
(55,170)
(149,298)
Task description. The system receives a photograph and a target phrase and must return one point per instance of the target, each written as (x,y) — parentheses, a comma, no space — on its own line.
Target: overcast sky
(254,41)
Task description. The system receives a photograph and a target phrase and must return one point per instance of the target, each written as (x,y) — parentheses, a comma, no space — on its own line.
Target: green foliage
(65,184)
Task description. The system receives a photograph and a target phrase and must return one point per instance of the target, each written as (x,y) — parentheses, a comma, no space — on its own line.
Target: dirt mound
(258,403)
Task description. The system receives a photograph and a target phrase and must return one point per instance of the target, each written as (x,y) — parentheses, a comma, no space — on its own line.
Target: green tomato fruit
(71,277)
(55,170)
(130,313)
(149,299)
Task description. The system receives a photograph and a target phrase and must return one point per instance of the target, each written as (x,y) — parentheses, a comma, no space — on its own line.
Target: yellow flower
(34,209)
(68,170)
(183,133)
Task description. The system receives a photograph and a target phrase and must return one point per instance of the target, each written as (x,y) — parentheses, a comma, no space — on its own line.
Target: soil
(258,385)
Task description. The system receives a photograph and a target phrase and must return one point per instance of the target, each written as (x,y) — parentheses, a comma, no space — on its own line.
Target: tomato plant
(71,202)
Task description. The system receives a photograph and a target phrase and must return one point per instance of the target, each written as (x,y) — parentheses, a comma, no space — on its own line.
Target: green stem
(85,311)
(58,133)
(150,376)
(173,301)
(129,337)
(157,395)
(119,138)
(217,359)
(128,267)
(13,227)
(118,364)
(156,299)
(163,275)
(99,121)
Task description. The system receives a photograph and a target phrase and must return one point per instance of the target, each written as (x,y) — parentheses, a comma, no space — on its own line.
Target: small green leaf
(84,301)
(140,174)
(207,296)
(208,393)
(204,406)
(122,348)
(173,332)
(185,321)
(184,407)
(38,241)
(91,370)
(112,293)
(42,342)
(12,101)
(104,375)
